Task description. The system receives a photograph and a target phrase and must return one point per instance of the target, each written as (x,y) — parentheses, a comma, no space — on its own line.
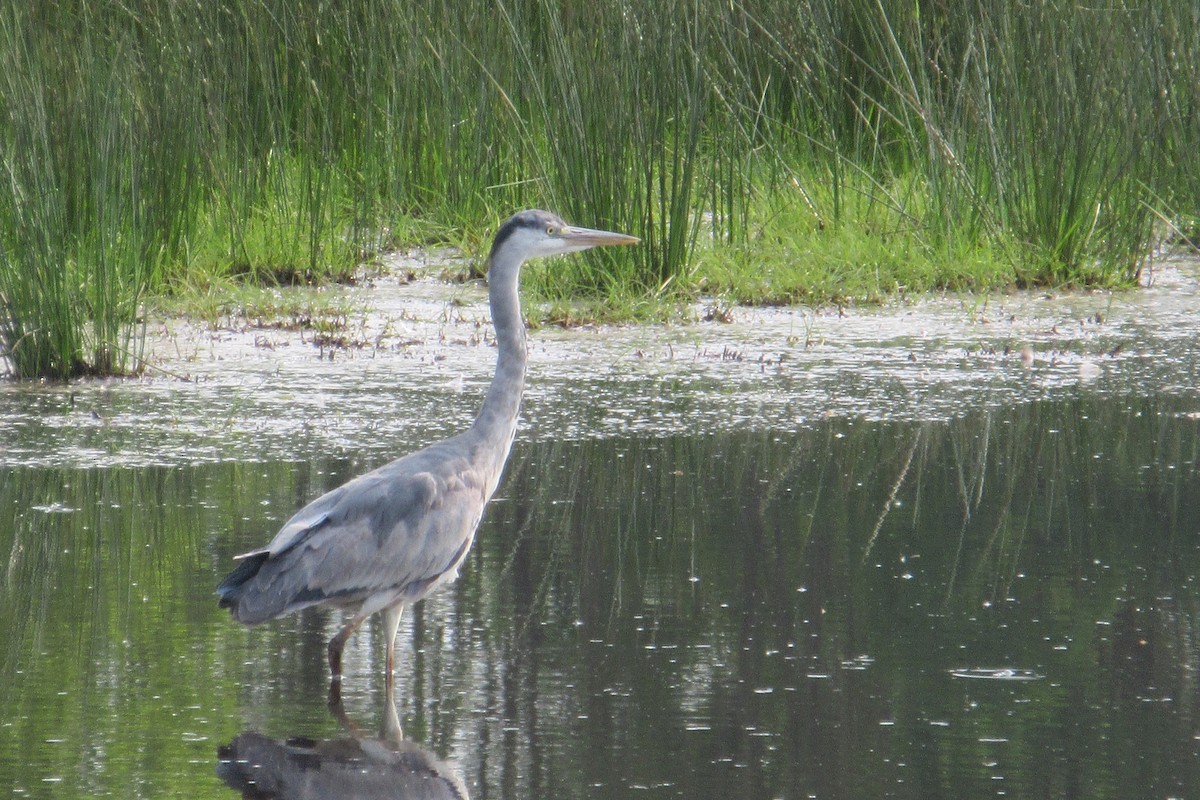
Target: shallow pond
(935,570)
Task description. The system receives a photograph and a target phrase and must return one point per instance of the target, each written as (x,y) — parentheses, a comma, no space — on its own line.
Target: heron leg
(338,642)
(391,623)
(391,731)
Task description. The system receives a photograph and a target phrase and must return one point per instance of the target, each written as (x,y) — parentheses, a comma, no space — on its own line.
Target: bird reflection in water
(356,766)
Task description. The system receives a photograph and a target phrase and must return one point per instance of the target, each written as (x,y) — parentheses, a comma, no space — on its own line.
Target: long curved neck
(496,424)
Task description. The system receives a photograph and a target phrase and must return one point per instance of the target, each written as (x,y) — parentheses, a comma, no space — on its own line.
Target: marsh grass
(72,267)
(773,150)
(1045,141)
(870,254)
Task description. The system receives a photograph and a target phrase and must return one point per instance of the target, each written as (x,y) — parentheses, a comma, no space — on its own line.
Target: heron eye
(549,230)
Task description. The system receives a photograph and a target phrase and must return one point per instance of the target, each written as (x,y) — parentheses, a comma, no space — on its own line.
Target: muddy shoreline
(415,355)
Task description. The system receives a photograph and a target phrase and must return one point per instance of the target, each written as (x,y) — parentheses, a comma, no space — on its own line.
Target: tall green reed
(608,146)
(150,145)
(1038,129)
(102,186)
(1066,141)
(1027,124)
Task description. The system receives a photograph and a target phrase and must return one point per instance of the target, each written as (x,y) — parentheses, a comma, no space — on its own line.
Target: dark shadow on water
(356,765)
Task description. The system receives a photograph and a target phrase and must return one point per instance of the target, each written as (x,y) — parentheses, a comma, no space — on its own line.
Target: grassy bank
(768,151)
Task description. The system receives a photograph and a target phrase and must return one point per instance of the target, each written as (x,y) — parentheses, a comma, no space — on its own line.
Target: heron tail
(230,590)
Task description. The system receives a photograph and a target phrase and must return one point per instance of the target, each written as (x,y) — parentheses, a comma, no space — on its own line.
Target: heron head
(535,233)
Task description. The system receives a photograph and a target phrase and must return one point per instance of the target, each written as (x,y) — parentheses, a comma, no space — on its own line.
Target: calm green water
(1006,604)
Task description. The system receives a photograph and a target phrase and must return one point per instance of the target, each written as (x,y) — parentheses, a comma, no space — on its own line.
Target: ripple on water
(997,674)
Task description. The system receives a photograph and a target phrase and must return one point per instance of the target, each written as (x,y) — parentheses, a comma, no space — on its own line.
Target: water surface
(702,577)
(1005,604)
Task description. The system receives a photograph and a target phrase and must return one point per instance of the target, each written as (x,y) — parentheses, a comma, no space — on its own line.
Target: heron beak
(580,238)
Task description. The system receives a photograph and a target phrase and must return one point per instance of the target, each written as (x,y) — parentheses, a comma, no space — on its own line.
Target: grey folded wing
(385,536)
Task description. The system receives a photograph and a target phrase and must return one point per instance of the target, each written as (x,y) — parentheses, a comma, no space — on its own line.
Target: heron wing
(392,533)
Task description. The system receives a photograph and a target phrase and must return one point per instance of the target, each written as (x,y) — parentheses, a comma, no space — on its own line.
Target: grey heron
(386,539)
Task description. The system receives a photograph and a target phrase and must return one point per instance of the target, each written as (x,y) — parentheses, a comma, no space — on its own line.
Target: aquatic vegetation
(840,149)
